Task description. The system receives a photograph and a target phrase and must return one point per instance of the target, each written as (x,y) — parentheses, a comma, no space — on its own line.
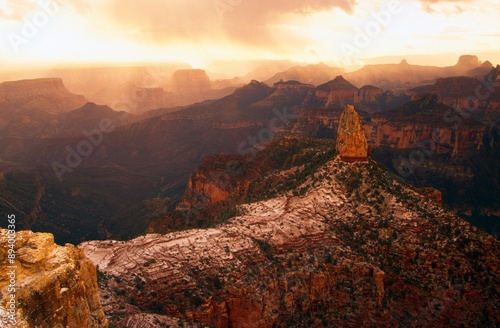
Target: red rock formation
(467,62)
(351,140)
(431,193)
(369,94)
(203,190)
(56,286)
(336,93)
(425,124)
(455,92)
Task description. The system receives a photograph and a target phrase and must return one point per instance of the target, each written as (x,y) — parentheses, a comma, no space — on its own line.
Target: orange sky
(339,32)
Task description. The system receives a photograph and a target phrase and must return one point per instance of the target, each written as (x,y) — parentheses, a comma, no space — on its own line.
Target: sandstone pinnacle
(351,140)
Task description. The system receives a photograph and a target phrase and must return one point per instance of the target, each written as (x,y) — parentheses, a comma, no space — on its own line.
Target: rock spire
(351,140)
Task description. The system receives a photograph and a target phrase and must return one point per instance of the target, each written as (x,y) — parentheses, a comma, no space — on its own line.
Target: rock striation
(351,140)
(56,286)
(350,247)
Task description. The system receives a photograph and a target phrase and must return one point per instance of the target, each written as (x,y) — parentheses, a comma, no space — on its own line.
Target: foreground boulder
(55,286)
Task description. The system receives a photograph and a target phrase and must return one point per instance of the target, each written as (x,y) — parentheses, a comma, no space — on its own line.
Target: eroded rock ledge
(56,286)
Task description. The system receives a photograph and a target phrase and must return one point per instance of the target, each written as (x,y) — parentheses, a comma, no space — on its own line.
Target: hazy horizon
(230,37)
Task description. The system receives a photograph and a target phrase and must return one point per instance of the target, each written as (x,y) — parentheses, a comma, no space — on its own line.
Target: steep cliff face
(189,81)
(427,123)
(453,91)
(223,181)
(336,93)
(350,247)
(203,190)
(56,286)
(47,94)
(476,97)
(351,140)
(369,94)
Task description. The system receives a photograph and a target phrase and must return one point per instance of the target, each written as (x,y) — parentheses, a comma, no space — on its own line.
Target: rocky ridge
(402,76)
(354,247)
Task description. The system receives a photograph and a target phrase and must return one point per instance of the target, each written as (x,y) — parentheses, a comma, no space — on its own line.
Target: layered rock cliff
(55,286)
(426,123)
(336,93)
(349,247)
(351,140)
(189,80)
(48,94)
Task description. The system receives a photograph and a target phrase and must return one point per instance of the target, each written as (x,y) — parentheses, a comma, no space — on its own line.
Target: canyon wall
(47,94)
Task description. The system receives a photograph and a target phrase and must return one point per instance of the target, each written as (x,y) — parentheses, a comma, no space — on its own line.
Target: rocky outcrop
(203,190)
(189,81)
(55,286)
(369,94)
(432,194)
(476,97)
(466,62)
(351,140)
(349,247)
(453,91)
(48,94)
(336,93)
(154,98)
(427,124)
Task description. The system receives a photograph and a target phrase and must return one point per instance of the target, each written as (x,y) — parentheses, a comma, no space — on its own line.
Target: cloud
(81,6)
(447,7)
(19,10)
(16,10)
(245,21)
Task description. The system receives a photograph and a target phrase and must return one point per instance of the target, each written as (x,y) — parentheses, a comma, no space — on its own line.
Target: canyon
(275,205)
(347,245)
(354,247)
(143,168)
